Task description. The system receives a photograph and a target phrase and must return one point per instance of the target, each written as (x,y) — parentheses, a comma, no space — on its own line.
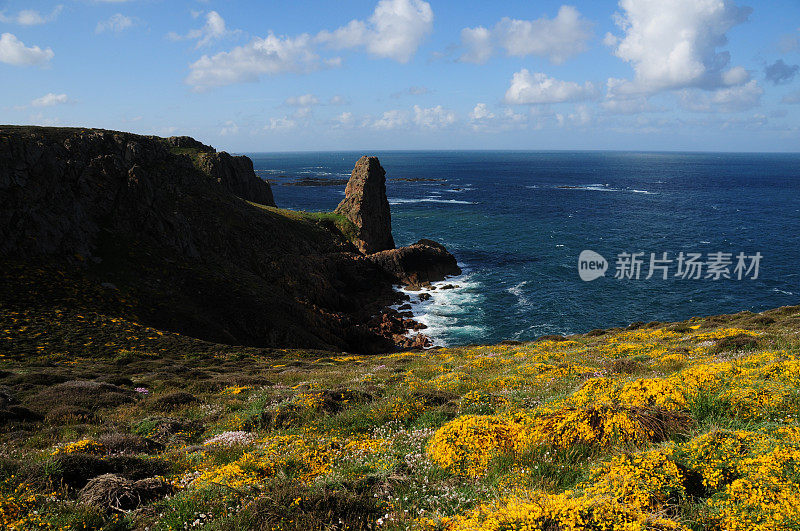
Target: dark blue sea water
(517,222)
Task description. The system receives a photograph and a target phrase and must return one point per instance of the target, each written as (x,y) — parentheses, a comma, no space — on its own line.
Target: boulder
(424,261)
(366,205)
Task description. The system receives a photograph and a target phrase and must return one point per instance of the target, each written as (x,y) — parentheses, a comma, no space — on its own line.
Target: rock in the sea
(366,205)
(422,262)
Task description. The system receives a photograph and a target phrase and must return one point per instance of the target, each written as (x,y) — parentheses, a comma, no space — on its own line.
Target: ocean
(518,221)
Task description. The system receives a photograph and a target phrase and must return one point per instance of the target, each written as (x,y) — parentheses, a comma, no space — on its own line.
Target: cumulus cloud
(674,45)
(391,120)
(49,100)
(433,117)
(537,88)
(344,119)
(14,52)
(337,100)
(116,23)
(30,17)
(728,99)
(280,124)
(483,119)
(480,112)
(270,55)
(306,100)
(558,38)
(779,72)
(395,30)
(213,30)
(478,43)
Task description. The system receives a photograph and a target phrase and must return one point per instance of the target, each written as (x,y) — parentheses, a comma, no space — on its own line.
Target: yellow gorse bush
(84,446)
(467,444)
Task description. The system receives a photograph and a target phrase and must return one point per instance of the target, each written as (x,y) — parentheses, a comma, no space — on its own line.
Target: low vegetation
(661,426)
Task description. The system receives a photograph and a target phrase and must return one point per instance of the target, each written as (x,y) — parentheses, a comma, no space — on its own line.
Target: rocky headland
(170,233)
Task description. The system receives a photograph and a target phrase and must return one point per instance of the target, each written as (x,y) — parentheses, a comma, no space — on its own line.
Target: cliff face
(171,229)
(60,187)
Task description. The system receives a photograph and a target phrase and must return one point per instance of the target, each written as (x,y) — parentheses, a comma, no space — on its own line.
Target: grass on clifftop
(330,221)
(689,425)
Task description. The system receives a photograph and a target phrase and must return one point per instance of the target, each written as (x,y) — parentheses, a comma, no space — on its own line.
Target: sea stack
(365,204)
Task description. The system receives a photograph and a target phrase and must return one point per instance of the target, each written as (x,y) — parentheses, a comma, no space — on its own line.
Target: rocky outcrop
(366,205)
(236,175)
(421,263)
(164,222)
(59,185)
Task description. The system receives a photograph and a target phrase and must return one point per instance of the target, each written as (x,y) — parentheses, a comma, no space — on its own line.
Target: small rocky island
(172,234)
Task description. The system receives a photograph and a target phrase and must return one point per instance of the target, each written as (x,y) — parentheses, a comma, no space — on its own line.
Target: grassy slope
(665,426)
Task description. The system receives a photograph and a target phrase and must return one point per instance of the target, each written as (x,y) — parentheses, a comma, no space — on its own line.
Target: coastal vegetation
(690,425)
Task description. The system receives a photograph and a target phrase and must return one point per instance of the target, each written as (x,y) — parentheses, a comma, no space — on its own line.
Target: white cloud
(50,99)
(728,99)
(433,117)
(480,112)
(29,17)
(306,100)
(280,124)
(482,119)
(582,116)
(478,42)
(391,120)
(116,23)
(337,100)
(270,55)
(213,30)
(344,119)
(14,52)
(673,45)
(395,30)
(230,128)
(537,88)
(558,38)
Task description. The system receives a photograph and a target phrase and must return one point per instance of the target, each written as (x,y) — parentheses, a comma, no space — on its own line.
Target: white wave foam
(596,187)
(519,293)
(782,291)
(400,200)
(449,313)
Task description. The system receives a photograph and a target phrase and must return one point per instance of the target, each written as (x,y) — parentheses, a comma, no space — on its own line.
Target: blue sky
(713,75)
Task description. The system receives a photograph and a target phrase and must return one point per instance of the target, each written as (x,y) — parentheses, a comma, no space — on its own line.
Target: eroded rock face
(236,174)
(58,186)
(420,263)
(366,205)
(162,221)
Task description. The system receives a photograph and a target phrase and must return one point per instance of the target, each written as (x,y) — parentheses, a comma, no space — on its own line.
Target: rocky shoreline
(170,233)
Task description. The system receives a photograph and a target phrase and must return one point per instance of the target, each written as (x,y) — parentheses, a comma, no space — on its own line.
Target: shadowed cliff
(169,233)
